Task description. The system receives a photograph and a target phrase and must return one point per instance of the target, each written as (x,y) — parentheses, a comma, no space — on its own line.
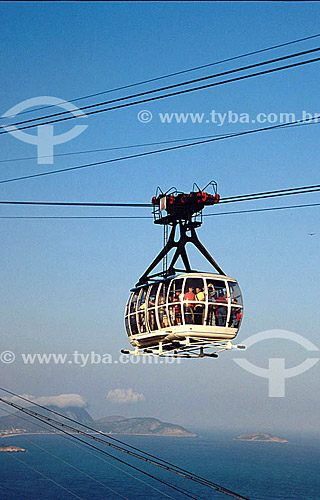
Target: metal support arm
(180,246)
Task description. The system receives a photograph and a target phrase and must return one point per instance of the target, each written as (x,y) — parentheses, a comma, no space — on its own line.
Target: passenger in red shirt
(188,307)
(189,295)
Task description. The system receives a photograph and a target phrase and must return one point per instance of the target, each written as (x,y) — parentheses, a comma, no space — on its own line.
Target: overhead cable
(108,436)
(174,469)
(12,127)
(165,465)
(86,449)
(128,146)
(172,148)
(62,460)
(231,199)
(138,217)
(45,420)
(169,75)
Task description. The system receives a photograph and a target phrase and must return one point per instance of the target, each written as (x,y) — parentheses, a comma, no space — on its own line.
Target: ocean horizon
(257,470)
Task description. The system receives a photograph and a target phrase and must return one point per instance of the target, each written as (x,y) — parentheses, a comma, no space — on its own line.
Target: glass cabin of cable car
(199,306)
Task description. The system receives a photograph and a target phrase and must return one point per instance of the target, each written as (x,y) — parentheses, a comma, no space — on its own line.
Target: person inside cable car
(177,308)
(162,312)
(235,318)
(238,318)
(152,319)
(189,306)
(221,311)
(212,297)
(199,308)
(171,310)
(141,315)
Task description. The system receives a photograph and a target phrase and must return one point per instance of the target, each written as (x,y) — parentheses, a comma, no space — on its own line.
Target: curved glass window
(133,303)
(127,305)
(163,317)
(174,300)
(142,310)
(133,324)
(190,300)
(211,316)
(163,293)
(142,321)
(217,315)
(235,294)
(151,312)
(152,323)
(192,284)
(152,295)
(162,309)
(126,322)
(142,299)
(194,301)
(175,290)
(216,289)
(221,315)
(235,317)
(175,315)
(200,304)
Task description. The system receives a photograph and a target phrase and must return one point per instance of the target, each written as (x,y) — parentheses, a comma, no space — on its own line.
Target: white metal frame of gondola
(149,331)
(186,351)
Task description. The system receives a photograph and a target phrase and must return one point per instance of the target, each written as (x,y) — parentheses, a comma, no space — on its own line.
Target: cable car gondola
(183,312)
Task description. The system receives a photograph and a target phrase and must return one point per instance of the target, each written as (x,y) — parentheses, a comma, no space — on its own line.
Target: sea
(62,468)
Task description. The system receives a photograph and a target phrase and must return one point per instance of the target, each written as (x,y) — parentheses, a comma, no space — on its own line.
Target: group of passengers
(194,309)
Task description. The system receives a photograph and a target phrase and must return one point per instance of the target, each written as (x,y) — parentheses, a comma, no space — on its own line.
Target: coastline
(94,433)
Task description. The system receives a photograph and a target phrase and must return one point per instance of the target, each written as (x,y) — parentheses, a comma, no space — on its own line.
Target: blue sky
(65,283)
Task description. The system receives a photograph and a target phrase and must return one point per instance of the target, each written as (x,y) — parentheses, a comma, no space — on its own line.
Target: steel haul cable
(45,420)
(64,461)
(74,430)
(102,433)
(137,217)
(193,477)
(231,199)
(84,447)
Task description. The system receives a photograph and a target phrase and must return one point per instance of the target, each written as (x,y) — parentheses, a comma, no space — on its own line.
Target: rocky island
(143,426)
(261,437)
(12,449)
(139,426)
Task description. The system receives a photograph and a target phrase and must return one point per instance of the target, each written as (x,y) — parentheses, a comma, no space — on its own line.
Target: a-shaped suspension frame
(185,226)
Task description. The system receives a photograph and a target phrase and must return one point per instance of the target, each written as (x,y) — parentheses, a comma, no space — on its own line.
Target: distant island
(141,426)
(11,449)
(262,437)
